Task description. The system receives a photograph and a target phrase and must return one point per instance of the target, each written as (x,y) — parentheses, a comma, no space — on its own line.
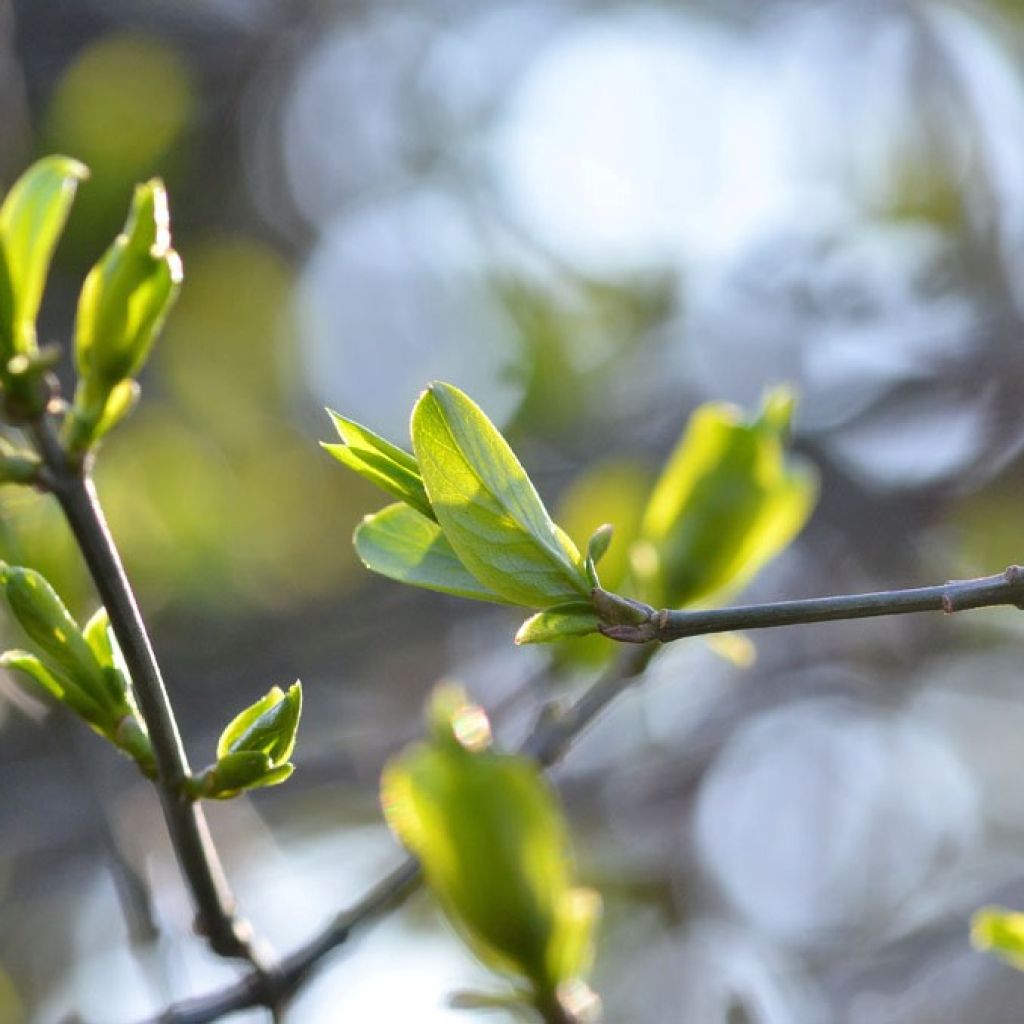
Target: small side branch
(1005,588)
(548,743)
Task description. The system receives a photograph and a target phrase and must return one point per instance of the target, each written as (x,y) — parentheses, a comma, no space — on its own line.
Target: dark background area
(591,216)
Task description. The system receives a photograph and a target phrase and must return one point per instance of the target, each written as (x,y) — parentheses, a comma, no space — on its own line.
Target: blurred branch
(1005,588)
(547,743)
(186,822)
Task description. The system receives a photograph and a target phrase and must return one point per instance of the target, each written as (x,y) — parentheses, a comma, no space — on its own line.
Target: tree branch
(1005,588)
(547,743)
(186,823)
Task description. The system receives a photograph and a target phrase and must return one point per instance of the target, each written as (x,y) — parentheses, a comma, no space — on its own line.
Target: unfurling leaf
(494,848)
(380,462)
(127,295)
(403,545)
(32,218)
(81,669)
(576,618)
(123,304)
(728,501)
(487,507)
(254,748)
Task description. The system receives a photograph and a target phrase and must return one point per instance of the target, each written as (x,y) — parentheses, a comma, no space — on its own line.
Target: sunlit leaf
(488,508)
(381,463)
(727,502)
(269,726)
(32,218)
(400,543)
(42,615)
(1002,932)
(61,689)
(127,295)
(492,842)
(559,622)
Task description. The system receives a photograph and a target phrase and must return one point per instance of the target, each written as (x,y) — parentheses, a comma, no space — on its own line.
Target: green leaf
(61,689)
(599,542)
(727,502)
(400,543)
(381,463)
(1002,932)
(572,947)
(32,218)
(46,621)
(127,294)
(233,773)
(97,636)
(575,618)
(491,839)
(269,726)
(488,508)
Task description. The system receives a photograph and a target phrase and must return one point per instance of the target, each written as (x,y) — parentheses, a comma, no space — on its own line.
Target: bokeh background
(592,216)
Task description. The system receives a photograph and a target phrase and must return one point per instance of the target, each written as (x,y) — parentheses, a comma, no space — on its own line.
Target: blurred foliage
(495,851)
(122,108)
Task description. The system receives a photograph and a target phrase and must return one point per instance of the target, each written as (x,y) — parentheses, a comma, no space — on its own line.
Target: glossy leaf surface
(488,508)
(400,543)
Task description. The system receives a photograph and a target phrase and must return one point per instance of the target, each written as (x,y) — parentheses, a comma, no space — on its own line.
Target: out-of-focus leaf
(492,843)
(599,542)
(32,218)
(381,463)
(400,543)
(558,622)
(1002,932)
(487,506)
(727,502)
(572,947)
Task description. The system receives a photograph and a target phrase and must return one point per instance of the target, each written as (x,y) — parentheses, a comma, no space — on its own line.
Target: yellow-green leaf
(32,218)
(381,463)
(269,726)
(727,502)
(400,543)
(487,507)
(128,293)
(559,622)
(1002,932)
(493,845)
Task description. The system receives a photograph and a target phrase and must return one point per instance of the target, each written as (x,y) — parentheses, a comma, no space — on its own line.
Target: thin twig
(555,732)
(547,743)
(186,823)
(1005,588)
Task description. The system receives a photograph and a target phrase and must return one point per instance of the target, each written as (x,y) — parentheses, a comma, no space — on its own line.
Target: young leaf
(488,508)
(32,218)
(59,688)
(575,618)
(46,621)
(1002,932)
(491,840)
(127,295)
(269,726)
(727,502)
(97,636)
(381,463)
(403,545)
(599,542)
